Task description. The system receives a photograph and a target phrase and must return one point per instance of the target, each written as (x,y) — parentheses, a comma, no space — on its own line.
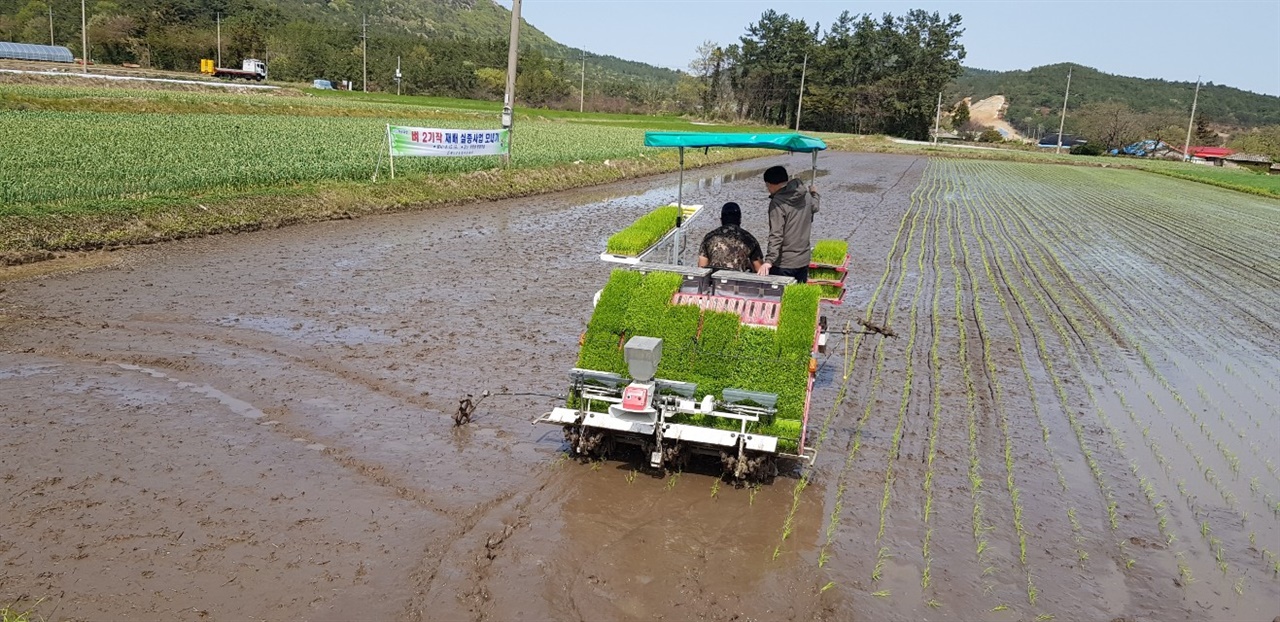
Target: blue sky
(1231,42)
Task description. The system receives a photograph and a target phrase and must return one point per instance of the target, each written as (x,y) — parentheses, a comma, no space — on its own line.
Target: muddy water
(259,426)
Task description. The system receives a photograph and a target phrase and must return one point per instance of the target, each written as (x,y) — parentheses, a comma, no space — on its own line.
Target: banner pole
(391,153)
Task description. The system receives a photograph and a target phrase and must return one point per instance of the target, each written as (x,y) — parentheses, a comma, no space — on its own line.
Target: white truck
(250,69)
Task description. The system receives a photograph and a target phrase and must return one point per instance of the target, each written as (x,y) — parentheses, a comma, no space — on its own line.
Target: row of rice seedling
(1055,462)
(644,232)
(1215,544)
(1159,506)
(997,388)
(1065,340)
(1260,434)
(1230,458)
(935,382)
(883,553)
(1145,485)
(908,225)
(974,467)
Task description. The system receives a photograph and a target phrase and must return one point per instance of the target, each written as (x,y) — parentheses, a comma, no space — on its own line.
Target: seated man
(730,247)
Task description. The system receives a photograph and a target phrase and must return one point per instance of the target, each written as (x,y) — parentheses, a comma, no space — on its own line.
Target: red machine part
(755,312)
(635,398)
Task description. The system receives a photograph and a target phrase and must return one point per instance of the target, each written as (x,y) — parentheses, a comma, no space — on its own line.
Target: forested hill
(445,45)
(1037,93)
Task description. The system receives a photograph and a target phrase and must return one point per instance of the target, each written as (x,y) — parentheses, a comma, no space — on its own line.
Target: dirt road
(258,426)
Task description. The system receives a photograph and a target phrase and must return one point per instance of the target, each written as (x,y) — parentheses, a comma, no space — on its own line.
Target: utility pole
(1186,147)
(509,100)
(364,49)
(937,119)
(84,42)
(800,104)
(51,25)
(582,88)
(1063,123)
(218,21)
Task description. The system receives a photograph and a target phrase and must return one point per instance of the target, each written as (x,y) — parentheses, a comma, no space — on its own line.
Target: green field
(1234,179)
(85,167)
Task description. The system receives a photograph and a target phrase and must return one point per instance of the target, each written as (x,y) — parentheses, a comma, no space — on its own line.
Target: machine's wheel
(593,444)
(755,467)
(761,467)
(674,458)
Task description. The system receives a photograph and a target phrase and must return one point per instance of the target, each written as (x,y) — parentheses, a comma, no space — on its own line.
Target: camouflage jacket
(730,247)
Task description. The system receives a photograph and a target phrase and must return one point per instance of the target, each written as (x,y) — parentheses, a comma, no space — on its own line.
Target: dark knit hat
(730,214)
(776,175)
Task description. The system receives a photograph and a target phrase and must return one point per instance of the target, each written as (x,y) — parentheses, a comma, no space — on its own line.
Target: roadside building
(1210,155)
(1251,161)
(29,51)
(1050,141)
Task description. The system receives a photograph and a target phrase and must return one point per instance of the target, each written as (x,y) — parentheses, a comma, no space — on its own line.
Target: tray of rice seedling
(647,233)
(832,292)
(830,254)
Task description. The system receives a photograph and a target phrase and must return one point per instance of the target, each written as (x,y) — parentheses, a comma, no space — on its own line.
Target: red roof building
(1210,153)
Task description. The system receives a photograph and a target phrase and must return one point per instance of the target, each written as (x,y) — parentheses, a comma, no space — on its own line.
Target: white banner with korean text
(423,141)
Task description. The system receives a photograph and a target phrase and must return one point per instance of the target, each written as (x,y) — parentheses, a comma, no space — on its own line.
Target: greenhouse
(27,51)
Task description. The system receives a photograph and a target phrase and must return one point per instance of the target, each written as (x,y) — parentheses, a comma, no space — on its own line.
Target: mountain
(1035,95)
(443,43)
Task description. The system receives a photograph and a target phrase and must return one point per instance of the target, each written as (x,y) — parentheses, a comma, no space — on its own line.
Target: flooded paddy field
(1077,419)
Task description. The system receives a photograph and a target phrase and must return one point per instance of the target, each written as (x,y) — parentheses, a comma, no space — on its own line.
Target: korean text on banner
(421,141)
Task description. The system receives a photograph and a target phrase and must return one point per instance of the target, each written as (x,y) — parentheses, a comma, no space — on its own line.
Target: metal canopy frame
(790,142)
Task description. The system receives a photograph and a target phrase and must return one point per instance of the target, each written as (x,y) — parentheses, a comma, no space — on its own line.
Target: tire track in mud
(1146,431)
(466,521)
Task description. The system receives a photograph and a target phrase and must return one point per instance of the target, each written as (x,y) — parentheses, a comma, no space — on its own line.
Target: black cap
(776,175)
(730,214)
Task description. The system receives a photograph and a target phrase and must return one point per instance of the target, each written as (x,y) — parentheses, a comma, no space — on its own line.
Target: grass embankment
(711,349)
(88,168)
(1232,179)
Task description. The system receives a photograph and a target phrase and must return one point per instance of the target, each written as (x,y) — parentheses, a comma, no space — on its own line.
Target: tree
(1263,141)
(865,75)
(990,135)
(1204,136)
(1108,125)
(961,115)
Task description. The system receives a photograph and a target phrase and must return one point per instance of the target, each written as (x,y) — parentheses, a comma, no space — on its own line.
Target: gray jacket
(791,211)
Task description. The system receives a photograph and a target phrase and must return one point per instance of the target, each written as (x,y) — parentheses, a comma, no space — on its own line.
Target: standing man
(730,247)
(791,211)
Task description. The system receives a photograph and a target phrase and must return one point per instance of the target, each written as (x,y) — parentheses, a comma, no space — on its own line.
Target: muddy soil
(260,426)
